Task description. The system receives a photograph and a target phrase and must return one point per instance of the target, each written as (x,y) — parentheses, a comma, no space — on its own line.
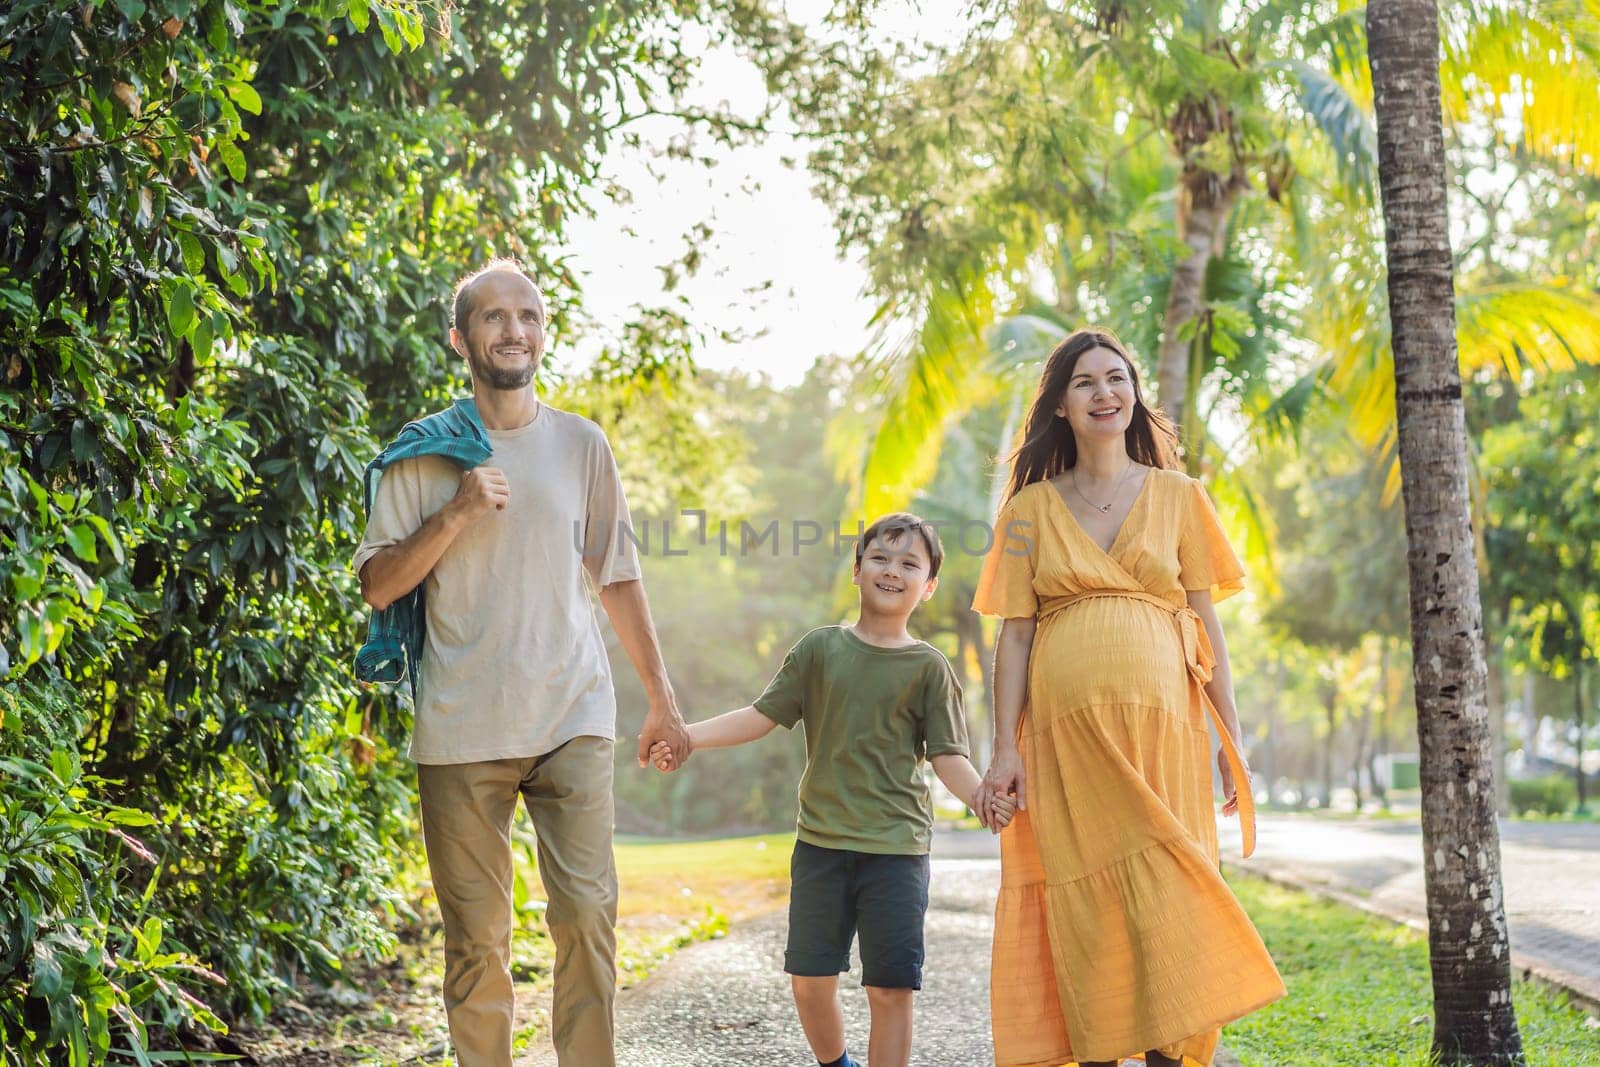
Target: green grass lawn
(671,894)
(1359,993)
(1358,986)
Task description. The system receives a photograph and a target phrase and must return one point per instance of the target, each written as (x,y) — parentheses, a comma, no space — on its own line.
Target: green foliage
(1041,172)
(80,952)
(229,230)
(727,616)
(1550,795)
(1358,991)
(1543,472)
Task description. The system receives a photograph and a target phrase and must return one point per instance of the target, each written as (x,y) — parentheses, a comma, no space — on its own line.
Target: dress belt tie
(1200,661)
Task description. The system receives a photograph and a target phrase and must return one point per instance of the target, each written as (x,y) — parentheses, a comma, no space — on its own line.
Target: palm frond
(1526,326)
(1241,506)
(1345,122)
(1536,69)
(1508,329)
(930,378)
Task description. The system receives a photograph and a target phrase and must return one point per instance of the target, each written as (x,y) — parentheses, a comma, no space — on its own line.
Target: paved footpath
(727,1001)
(1551,872)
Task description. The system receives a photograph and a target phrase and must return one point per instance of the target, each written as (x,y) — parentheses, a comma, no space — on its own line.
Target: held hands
(994,812)
(1004,790)
(482,490)
(664,730)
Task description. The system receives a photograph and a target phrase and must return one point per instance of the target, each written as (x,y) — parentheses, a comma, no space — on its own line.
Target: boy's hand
(1001,810)
(661,756)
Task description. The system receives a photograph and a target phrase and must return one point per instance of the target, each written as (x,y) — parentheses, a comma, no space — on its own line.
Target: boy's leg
(890,1044)
(816,1001)
(822,923)
(466,826)
(568,794)
(891,903)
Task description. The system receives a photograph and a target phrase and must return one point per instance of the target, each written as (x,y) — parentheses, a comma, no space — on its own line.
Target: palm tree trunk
(1205,201)
(1468,944)
(1497,727)
(1330,708)
(1532,717)
(1577,713)
(1361,759)
(1380,728)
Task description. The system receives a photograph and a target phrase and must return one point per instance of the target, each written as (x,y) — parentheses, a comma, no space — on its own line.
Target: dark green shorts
(835,894)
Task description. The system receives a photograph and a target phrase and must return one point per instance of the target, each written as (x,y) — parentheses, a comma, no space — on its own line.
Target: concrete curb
(1551,978)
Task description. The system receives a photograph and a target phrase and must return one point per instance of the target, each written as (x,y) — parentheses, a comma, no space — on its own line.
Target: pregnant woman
(1115,934)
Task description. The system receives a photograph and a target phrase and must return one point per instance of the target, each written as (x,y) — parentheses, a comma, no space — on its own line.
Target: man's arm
(400,568)
(629,612)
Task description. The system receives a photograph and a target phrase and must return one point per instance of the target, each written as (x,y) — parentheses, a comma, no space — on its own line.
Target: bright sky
(767,228)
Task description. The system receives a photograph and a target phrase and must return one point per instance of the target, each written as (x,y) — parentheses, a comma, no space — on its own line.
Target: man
(514,697)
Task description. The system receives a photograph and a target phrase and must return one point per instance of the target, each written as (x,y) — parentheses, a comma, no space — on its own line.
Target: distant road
(1551,873)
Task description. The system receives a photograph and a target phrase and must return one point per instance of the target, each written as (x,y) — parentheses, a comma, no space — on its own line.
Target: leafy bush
(1553,794)
(227,232)
(79,955)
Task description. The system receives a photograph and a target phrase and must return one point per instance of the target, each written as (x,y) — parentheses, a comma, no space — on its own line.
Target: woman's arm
(1220,690)
(1012,650)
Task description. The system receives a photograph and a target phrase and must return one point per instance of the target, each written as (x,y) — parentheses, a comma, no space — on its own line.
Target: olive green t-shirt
(872,716)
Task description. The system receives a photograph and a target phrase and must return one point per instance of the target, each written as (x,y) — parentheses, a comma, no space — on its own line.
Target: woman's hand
(1005,778)
(1230,790)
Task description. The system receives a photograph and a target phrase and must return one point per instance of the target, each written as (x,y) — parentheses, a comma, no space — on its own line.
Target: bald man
(514,695)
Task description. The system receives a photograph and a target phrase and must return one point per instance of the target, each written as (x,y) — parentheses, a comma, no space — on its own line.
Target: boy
(874,701)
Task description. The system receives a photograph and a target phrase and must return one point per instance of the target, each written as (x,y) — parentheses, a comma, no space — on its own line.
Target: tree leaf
(194,257)
(80,536)
(103,528)
(233,159)
(180,308)
(245,95)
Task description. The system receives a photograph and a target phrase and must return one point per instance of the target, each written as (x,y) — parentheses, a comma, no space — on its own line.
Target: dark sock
(842,1061)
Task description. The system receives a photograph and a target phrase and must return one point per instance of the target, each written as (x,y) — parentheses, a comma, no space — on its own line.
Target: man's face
(503,334)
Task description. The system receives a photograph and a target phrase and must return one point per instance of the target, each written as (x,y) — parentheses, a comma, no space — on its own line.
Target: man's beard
(503,378)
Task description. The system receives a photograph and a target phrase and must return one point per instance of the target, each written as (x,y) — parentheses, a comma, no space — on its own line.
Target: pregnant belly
(1108,651)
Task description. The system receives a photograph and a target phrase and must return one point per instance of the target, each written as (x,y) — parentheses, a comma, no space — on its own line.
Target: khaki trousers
(467,810)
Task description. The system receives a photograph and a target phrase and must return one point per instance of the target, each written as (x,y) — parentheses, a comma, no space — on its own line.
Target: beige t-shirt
(514,664)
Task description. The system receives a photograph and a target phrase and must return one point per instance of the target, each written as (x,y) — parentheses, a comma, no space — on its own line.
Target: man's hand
(664,724)
(482,490)
(400,568)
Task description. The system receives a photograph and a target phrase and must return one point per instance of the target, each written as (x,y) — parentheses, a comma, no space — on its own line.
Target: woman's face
(1099,398)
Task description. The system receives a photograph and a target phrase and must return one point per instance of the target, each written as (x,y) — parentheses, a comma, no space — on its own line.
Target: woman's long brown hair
(1048,446)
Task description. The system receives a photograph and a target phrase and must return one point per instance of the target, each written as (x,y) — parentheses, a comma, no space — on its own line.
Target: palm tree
(1041,176)
(1469,948)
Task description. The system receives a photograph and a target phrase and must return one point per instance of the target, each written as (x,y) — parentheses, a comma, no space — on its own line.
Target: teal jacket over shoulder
(395,634)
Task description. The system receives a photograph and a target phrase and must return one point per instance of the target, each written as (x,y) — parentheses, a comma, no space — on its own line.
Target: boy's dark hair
(897,525)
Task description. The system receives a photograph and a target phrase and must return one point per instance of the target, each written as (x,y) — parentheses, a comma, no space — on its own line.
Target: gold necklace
(1104,509)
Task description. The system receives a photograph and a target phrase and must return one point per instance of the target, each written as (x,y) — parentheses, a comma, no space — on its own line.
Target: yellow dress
(1114,931)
